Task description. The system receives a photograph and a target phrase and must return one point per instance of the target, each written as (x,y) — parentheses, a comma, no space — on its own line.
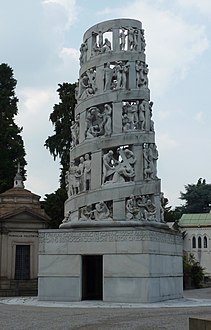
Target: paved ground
(26,317)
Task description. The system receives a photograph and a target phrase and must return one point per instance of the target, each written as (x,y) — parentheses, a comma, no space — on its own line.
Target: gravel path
(23,317)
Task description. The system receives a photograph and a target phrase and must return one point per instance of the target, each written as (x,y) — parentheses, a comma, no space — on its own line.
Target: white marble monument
(113,244)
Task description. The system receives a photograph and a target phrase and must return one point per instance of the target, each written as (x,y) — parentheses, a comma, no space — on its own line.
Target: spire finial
(18,180)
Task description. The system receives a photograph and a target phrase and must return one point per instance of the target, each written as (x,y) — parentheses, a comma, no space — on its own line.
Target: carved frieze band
(109,236)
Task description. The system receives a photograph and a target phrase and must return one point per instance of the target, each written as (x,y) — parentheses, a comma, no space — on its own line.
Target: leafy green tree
(12,149)
(59,146)
(197,197)
(193,273)
(61,118)
(54,206)
(169,214)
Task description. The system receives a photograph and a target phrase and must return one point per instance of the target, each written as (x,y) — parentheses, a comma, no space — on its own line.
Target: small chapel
(21,216)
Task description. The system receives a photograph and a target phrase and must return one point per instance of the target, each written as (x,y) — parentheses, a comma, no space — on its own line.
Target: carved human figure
(107,125)
(101,212)
(122,37)
(83,53)
(125,71)
(138,67)
(132,116)
(131,31)
(141,115)
(132,210)
(100,39)
(152,159)
(92,132)
(145,71)
(126,125)
(95,49)
(118,74)
(124,171)
(150,210)
(135,39)
(148,114)
(92,78)
(89,91)
(148,170)
(75,132)
(85,213)
(79,176)
(71,179)
(109,164)
(106,46)
(107,76)
(143,42)
(87,172)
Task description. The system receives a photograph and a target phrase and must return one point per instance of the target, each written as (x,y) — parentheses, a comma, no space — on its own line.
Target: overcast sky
(40,39)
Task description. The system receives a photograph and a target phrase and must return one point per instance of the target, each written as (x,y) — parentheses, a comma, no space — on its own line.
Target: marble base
(142,264)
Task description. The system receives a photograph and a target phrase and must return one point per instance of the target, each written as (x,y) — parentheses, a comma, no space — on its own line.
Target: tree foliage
(169,214)
(63,114)
(193,273)
(54,206)
(59,146)
(12,149)
(197,197)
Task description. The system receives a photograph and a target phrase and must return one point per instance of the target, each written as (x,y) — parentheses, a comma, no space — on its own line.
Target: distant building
(197,237)
(21,216)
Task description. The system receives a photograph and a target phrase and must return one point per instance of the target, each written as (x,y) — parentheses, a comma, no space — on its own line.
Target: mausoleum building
(21,216)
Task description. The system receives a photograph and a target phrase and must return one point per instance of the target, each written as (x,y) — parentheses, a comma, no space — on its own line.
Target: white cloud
(69,54)
(203,6)
(61,12)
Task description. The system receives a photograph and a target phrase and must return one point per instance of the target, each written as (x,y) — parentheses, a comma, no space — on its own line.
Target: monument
(113,244)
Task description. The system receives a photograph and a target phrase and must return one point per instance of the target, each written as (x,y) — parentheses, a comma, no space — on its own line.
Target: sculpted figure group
(140,208)
(119,168)
(98,212)
(141,74)
(150,155)
(137,116)
(78,177)
(98,122)
(116,77)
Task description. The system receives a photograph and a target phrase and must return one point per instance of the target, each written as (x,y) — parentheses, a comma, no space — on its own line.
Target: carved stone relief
(140,208)
(75,131)
(87,84)
(100,211)
(118,166)
(98,121)
(78,177)
(100,45)
(150,155)
(141,74)
(83,53)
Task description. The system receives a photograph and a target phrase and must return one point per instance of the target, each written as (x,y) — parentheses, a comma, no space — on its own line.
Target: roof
(195,220)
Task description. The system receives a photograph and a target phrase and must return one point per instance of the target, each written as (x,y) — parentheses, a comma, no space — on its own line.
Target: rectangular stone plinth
(139,264)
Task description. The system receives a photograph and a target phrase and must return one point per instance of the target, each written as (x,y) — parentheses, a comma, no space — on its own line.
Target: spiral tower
(113,244)
(112,179)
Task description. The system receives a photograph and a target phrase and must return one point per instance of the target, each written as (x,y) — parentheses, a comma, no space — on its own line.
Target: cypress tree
(12,149)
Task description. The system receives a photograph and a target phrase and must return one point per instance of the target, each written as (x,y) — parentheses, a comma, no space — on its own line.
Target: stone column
(96,170)
(117,117)
(119,209)
(139,166)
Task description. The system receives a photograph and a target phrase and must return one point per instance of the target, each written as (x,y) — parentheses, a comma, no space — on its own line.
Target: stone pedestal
(140,265)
